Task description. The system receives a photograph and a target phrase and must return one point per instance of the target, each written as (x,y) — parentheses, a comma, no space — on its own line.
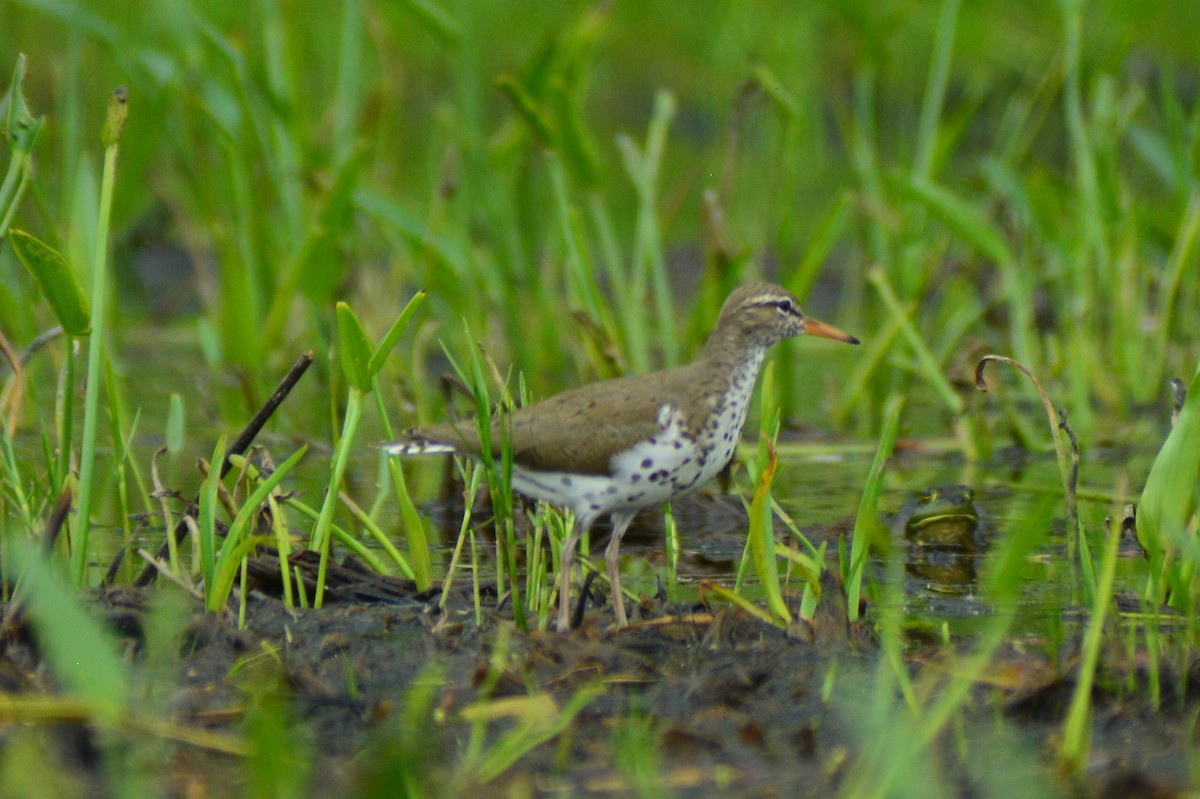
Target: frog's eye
(929,495)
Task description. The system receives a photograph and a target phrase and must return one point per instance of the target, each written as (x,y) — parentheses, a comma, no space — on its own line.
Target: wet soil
(382,688)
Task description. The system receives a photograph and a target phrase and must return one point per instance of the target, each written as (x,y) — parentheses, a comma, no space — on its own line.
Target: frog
(939,525)
(941,516)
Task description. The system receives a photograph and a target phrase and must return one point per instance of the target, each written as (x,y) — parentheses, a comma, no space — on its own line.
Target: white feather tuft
(418,447)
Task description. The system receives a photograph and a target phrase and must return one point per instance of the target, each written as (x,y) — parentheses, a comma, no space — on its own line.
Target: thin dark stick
(584,595)
(54,524)
(1073,481)
(250,432)
(1180,389)
(238,447)
(50,532)
(39,342)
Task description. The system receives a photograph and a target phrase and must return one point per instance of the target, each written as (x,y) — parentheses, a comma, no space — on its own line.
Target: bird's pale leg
(612,556)
(565,563)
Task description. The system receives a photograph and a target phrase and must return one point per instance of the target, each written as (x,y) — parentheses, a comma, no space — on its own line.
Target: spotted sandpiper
(617,446)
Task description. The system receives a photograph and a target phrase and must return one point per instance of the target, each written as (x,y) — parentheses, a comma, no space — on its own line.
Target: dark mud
(382,689)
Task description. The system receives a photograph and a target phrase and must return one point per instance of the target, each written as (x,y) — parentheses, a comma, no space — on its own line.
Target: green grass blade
(255,501)
(762,538)
(444,251)
(775,89)
(414,530)
(78,651)
(531,732)
(970,225)
(752,608)
(935,90)
(313,267)
(575,141)
(207,522)
(828,232)
(529,110)
(176,427)
(435,20)
(762,528)
(227,569)
(372,529)
(930,368)
(20,125)
(22,129)
(649,264)
(80,551)
(353,81)
(868,505)
(321,537)
(499,476)
(1182,258)
(1076,736)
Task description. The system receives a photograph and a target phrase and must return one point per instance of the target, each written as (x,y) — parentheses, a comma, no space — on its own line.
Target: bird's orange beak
(814,328)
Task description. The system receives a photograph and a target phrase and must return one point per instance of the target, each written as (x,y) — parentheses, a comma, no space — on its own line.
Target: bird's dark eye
(784,305)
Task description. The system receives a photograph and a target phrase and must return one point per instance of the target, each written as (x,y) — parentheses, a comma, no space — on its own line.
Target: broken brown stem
(238,447)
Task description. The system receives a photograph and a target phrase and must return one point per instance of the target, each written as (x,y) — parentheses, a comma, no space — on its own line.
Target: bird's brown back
(579,431)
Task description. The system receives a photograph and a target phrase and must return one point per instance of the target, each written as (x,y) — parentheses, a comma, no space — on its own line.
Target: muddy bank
(382,688)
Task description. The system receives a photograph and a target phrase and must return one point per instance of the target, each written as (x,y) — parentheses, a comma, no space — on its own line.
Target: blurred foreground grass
(578,185)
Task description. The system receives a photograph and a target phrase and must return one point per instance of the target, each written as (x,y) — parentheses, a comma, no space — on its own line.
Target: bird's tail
(416,444)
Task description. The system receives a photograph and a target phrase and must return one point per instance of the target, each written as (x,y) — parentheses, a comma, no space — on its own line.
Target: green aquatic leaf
(176,427)
(1166,511)
(393,335)
(21,128)
(57,281)
(356,349)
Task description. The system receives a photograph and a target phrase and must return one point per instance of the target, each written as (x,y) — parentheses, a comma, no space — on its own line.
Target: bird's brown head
(765,314)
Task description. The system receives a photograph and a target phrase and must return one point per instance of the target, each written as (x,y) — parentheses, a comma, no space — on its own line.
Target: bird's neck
(731,348)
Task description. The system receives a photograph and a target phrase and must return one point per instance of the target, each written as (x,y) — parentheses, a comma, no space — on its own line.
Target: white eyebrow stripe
(766,299)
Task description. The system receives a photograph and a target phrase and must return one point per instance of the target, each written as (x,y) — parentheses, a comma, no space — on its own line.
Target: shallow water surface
(941,585)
